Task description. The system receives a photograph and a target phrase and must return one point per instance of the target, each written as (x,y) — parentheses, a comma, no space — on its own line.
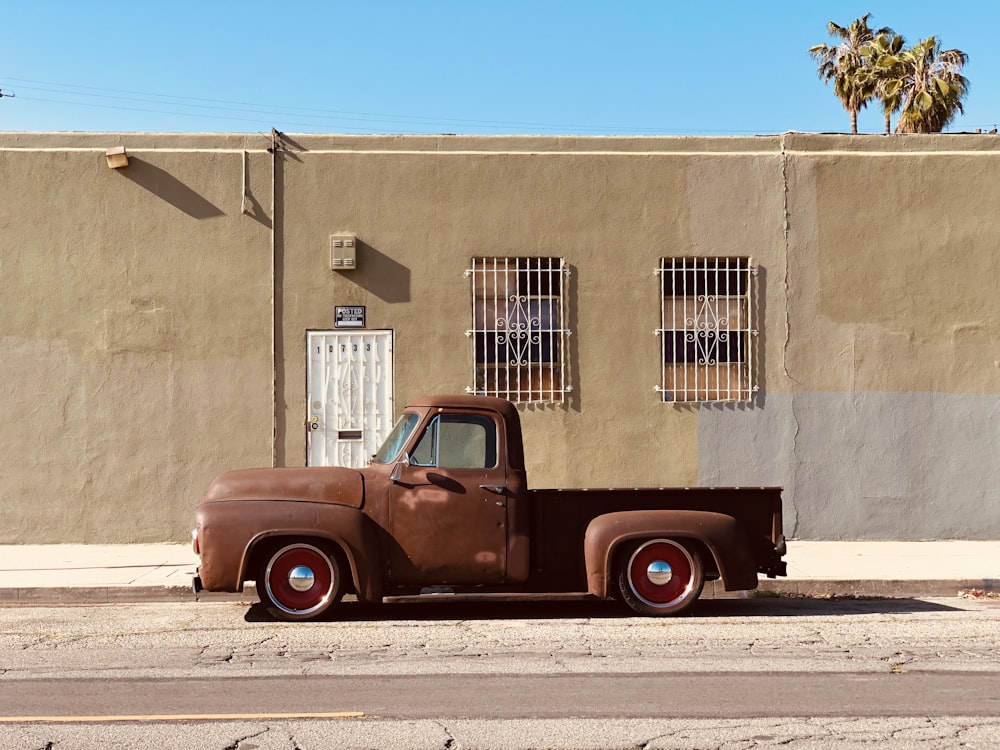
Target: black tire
(300,581)
(660,577)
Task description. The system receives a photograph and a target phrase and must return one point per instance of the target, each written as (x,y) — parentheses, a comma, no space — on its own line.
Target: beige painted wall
(895,257)
(423,207)
(144,310)
(134,350)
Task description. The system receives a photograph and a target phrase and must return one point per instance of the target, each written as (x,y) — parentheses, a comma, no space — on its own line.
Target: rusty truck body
(444,506)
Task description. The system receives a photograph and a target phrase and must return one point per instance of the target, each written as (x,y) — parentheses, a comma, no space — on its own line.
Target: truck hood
(337,485)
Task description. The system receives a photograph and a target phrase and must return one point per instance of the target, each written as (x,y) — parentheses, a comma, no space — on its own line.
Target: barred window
(519,334)
(706,331)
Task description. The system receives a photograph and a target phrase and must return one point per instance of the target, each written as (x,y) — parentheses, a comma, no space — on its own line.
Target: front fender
(231,533)
(723,536)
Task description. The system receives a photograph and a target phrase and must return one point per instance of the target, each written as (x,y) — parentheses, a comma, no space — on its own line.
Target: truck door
(447,507)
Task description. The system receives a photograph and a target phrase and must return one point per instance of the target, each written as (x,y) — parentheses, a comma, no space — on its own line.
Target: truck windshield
(397,438)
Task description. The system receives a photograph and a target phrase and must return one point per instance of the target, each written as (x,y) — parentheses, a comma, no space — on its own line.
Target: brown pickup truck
(444,507)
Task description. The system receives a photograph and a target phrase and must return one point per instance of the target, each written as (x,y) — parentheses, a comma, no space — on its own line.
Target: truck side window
(458,441)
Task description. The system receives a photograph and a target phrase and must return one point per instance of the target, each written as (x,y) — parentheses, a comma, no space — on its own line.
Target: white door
(349,390)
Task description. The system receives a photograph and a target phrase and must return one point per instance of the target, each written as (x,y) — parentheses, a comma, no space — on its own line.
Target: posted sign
(349,317)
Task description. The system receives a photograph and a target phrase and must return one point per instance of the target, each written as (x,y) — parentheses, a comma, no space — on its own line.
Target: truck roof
(506,408)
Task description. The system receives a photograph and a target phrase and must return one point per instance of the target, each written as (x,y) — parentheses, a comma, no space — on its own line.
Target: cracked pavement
(228,640)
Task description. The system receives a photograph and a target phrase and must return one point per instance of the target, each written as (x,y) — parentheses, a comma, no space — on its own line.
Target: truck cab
(454,505)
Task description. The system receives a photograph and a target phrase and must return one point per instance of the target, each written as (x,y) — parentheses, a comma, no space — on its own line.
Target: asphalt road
(634,696)
(753,673)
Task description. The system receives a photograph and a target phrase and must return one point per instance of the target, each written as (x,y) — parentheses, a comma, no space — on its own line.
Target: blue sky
(649,67)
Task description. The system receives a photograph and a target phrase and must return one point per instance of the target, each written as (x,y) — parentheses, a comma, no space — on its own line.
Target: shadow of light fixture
(117,158)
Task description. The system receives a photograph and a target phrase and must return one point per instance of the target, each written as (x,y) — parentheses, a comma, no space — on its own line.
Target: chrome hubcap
(659,572)
(301,578)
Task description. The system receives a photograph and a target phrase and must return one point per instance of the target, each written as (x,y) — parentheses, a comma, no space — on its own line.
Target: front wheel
(301,581)
(660,577)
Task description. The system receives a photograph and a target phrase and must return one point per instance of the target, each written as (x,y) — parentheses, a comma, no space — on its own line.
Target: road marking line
(175,717)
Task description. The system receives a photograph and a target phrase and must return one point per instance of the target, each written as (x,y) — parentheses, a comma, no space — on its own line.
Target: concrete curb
(44,595)
(875,589)
(806,589)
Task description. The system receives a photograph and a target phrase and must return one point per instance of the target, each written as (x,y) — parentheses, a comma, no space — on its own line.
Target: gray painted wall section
(864,465)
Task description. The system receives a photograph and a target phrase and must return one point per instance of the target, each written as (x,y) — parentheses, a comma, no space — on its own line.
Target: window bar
(555,330)
(686,322)
(492,324)
(704,324)
(673,326)
(684,332)
(533,366)
(482,322)
(720,291)
(663,329)
(678,354)
(694,323)
(512,361)
(732,337)
(699,291)
(663,289)
(483,379)
(748,332)
(735,330)
(741,342)
(741,310)
(542,332)
(664,332)
(694,279)
(496,325)
(535,363)
(478,323)
(728,327)
(471,273)
(563,354)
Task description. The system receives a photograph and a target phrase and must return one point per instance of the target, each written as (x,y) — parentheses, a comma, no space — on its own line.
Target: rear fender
(723,536)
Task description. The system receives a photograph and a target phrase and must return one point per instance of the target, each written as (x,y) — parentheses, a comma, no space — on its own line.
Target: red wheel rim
(681,573)
(278,581)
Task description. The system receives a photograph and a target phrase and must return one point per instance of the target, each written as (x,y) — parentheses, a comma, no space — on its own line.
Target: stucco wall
(134,349)
(889,427)
(152,327)
(611,208)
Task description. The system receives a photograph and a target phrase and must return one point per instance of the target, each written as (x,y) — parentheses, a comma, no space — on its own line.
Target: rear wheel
(660,576)
(300,581)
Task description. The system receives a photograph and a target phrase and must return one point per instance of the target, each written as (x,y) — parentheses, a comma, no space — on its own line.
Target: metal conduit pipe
(274,298)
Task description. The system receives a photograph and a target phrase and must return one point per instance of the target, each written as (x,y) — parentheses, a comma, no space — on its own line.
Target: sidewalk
(97,574)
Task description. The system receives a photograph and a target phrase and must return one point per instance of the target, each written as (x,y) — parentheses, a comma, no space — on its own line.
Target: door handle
(497,489)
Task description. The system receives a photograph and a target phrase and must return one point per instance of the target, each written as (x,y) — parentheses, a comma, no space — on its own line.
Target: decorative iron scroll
(706,329)
(519,333)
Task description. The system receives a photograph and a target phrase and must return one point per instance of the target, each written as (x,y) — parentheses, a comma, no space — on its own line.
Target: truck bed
(559,520)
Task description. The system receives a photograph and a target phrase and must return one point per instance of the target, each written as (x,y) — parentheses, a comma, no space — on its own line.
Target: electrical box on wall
(343,252)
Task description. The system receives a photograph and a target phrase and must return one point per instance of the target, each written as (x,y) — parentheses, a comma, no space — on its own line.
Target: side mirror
(397,470)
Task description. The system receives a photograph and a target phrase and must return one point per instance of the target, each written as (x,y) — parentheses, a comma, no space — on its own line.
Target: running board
(503,596)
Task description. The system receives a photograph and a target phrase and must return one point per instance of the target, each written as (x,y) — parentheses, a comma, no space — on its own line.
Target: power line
(289,116)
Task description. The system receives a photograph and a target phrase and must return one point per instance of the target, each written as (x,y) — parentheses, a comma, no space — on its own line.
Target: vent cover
(343,252)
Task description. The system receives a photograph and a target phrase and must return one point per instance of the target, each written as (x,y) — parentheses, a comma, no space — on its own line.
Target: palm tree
(885,72)
(845,64)
(932,85)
